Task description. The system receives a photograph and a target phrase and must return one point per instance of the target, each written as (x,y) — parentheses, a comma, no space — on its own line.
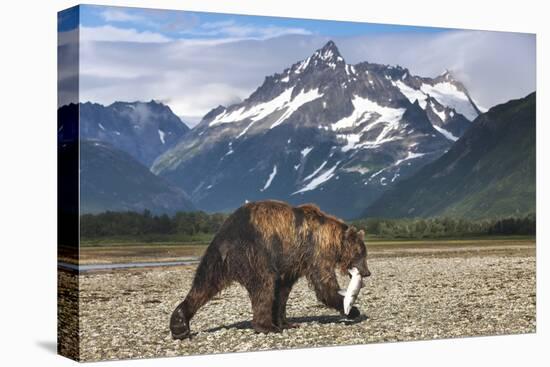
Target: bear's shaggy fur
(267,246)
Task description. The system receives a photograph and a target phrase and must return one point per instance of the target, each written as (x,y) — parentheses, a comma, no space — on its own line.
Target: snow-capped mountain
(142,129)
(321,131)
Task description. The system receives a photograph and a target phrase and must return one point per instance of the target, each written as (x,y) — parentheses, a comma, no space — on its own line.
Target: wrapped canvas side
(68,184)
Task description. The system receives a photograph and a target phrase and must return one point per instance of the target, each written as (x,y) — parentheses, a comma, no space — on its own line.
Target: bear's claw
(181,336)
(179,325)
(353,313)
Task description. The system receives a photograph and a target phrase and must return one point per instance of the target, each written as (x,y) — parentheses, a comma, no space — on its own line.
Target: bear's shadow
(330,319)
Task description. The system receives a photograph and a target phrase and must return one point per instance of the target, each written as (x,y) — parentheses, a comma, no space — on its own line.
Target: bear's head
(354,252)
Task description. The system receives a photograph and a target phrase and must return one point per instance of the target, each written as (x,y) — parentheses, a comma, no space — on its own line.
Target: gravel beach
(410,296)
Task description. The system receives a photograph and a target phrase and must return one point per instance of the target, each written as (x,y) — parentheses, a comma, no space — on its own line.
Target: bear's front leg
(261,291)
(326,289)
(280,316)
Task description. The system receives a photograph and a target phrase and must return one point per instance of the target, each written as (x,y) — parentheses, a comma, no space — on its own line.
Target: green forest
(447,227)
(189,225)
(146,227)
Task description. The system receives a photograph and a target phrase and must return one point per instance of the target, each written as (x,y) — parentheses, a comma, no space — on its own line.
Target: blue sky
(193,25)
(195,61)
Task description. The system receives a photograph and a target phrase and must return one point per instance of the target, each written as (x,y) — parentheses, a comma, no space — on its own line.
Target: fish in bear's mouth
(351,293)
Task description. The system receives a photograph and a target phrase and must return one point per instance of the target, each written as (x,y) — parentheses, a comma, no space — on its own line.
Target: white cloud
(233,29)
(218,25)
(115,34)
(119,15)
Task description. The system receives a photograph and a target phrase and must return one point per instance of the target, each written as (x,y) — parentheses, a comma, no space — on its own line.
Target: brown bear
(267,246)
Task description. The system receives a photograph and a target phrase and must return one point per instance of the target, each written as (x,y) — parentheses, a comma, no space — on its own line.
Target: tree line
(133,224)
(112,224)
(447,227)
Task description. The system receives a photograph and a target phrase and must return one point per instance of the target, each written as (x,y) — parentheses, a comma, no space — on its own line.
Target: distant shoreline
(157,255)
(205,240)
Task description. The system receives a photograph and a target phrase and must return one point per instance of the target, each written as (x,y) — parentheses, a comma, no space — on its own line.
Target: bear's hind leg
(210,278)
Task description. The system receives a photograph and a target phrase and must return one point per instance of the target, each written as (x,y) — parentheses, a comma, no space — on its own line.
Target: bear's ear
(350,230)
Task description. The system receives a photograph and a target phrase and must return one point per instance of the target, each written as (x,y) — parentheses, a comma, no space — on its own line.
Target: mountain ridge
(144,130)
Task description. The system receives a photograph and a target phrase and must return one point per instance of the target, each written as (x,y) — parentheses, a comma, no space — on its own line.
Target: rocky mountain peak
(329,54)
(449,76)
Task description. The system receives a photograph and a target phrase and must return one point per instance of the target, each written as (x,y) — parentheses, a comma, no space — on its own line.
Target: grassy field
(205,238)
(169,239)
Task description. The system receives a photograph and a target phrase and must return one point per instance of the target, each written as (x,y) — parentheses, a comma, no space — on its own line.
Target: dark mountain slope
(111,179)
(489,172)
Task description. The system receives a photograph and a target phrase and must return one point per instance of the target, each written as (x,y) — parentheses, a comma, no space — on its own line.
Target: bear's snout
(365,273)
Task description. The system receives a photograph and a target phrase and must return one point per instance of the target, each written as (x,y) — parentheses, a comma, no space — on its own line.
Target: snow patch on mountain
(319,180)
(314,173)
(306,151)
(245,129)
(446,133)
(270,178)
(295,103)
(256,112)
(412,94)
(161,136)
(351,141)
(302,66)
(376,173)
(283,101)
(350,70)
(410,155)
(363,108)
(357,169)
(449,95)
(440,114)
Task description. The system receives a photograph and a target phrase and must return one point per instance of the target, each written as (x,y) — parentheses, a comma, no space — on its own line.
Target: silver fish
(351,293)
